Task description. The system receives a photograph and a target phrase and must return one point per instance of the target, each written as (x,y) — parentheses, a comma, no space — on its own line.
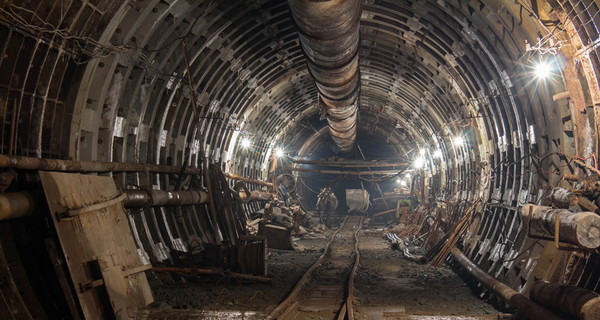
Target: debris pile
(402,245)
(278,222)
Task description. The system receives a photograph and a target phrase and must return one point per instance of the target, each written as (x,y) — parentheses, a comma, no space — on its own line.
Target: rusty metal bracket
(131,271)
(240,185)
(565,246)
(95,207)
(6,179)
(83,287)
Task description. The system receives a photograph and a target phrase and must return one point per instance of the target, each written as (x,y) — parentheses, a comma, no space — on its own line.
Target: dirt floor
(386,284)
(235,300)
(388,280)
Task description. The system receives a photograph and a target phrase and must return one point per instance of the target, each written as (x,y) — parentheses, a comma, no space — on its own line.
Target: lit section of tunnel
(450,85)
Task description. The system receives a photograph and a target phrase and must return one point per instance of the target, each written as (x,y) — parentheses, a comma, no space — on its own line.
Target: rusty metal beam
(329,34)
(531,309)
(581,228)
(353,164)
(349,173)
(577,302)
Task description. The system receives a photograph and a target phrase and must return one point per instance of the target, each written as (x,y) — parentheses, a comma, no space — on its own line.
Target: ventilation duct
(329,34)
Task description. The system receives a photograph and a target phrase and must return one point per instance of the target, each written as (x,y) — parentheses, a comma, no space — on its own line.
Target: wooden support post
(581,228)
(383,212)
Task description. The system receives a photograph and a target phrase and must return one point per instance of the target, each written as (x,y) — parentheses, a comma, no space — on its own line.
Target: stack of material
(445,245)
(278,223)
(229,216)
(409,231)
(413,223)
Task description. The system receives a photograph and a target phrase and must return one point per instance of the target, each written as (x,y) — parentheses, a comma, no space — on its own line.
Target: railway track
(325,291)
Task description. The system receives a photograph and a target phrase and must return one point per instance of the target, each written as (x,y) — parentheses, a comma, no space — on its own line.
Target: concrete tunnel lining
(96,80)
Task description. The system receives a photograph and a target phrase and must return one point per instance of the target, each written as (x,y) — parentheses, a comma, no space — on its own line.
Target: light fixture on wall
(419,163)
(246,143)
(543,69)
(279,153)
(458,141)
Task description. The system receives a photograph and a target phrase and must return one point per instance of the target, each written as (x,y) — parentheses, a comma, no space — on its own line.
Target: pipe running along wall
(329,34)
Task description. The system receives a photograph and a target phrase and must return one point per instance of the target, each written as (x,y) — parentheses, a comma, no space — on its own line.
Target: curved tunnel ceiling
(171,81)
(433,67)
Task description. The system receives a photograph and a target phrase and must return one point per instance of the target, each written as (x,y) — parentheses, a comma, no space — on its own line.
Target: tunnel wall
(109,81)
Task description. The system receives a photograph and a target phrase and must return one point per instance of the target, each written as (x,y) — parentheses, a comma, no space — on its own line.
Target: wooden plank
(214,272)
(383,212)
(99,239)
(63,278)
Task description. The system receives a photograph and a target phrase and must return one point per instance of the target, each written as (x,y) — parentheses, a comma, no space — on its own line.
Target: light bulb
(542,69)
(279,153)
(246,143)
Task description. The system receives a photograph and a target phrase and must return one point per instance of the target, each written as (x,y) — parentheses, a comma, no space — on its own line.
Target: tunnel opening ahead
(146,144)
(372,166)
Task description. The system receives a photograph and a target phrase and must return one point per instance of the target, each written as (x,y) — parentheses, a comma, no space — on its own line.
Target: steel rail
(349,305)
(291,303)
(304,279)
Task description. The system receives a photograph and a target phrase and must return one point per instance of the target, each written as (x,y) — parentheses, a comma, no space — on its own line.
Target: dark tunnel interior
(149,143)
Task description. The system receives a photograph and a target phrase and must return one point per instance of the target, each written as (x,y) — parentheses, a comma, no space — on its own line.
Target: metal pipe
(234,176)
(15,205)
(256,195)
(137,198)
(578,302)
(581,228)
(30,163)
(329,35)
(529,308)
(23,204)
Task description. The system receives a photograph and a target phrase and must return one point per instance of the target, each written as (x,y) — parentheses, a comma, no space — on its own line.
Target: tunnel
(192,159)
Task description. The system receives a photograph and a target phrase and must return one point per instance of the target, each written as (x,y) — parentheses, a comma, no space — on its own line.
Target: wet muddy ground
(387,279)
(388,286)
